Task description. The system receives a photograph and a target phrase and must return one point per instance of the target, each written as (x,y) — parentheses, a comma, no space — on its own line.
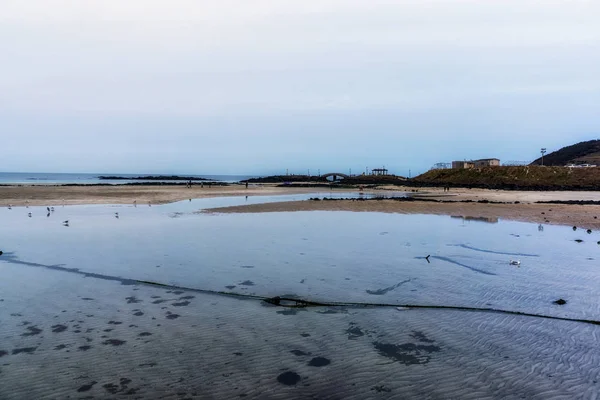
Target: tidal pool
(77,322)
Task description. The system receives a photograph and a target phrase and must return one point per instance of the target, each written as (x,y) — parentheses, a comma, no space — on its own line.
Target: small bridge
(335,175)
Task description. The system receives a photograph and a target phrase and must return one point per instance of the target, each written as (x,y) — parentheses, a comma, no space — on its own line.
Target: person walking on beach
(246,184)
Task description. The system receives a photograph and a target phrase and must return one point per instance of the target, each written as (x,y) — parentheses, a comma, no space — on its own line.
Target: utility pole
(350,172)
(409,173)
(543,151)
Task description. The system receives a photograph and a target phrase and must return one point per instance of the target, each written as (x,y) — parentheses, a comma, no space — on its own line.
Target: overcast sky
(261,86)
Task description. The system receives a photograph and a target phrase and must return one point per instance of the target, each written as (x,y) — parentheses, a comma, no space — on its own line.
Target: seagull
(116,215)
(52,209)
(29,215)
(48,208)
(427,258)
(66,223)
(515,262)
(10,206)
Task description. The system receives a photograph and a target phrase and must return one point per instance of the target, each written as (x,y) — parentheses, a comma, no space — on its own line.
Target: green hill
(580,153)
(514,178)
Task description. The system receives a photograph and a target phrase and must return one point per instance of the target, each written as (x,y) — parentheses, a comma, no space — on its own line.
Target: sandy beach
(50,195)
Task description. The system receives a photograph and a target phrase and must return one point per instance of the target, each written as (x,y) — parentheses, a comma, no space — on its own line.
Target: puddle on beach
(70,296)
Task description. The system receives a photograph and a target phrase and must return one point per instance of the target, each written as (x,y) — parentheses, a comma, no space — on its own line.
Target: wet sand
(49,195)
(587,217)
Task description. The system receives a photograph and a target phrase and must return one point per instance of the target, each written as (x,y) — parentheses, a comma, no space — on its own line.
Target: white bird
(515,262)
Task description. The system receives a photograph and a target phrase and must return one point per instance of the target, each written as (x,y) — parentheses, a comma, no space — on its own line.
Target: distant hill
(580,153)
(513,178)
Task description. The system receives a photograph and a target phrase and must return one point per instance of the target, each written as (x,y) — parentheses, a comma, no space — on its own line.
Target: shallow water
(319,256)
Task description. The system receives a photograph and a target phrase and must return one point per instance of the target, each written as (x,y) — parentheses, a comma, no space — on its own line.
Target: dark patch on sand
(158,301)
(3,353)
(114,342)
(230,287)
(464,246)
(32,330)
(288,378)
(451,261)
(290,311)
(379,292)
(16,315)
(170,315)
(299,353)
(380,389)
(114,322)
(28,350)
(132,299)
(187,297)
(354,332)
(84,348)
(181,304)
(108,330)
(138,313)
(145,334)
(305,334)
(421,337)
(247,266)
(238,354)
(247,283)
(60,347)
(407,353)
(331,311)
(59,328)
(319,362)
(178,292)
(86,298)
(151,364)
(87,387)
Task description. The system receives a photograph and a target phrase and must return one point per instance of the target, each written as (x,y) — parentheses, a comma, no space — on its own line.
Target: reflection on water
(491,220)
(71,294)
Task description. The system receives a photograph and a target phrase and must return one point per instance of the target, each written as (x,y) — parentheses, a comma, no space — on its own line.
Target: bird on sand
(48,208)
(66,223)
(515,262)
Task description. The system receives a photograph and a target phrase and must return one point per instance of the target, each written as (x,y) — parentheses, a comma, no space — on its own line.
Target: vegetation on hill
(581,153)
(513,178)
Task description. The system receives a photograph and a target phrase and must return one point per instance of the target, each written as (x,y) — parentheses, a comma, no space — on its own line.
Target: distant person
(246,184)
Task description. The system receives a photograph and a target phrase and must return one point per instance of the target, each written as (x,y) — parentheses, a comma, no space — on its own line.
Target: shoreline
(581,216)
(479,204)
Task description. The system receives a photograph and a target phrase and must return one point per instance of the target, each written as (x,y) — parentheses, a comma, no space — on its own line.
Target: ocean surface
(65,178)
(166,302)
